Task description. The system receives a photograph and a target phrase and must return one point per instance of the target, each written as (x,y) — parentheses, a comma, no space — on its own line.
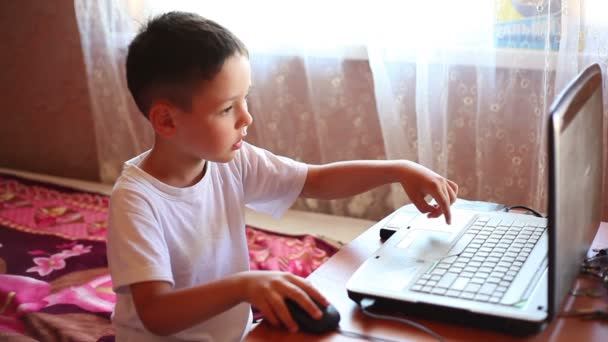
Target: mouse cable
(363,336)
(534,212)
(366,303)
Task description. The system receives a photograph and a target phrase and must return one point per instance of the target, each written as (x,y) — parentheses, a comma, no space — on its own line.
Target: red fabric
(299,255)
(40,208)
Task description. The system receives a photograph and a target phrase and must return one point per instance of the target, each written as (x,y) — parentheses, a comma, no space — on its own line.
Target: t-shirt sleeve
(271,183)
(136,246)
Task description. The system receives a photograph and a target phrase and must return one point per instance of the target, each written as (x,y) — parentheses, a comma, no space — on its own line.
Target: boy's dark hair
(173,53)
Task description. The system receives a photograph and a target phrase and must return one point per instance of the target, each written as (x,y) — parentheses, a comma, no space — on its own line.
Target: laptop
(493,269)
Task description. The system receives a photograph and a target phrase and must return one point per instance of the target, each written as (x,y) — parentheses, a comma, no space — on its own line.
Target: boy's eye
(227,110)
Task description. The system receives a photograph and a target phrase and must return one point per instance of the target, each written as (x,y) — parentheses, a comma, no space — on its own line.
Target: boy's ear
(162,119)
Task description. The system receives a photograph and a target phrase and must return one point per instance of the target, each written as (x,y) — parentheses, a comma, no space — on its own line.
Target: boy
(177,248)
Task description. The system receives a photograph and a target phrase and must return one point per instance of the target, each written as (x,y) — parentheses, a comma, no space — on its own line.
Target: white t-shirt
(190,236)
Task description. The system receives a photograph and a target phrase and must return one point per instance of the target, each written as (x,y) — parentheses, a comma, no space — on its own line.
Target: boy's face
(215,127)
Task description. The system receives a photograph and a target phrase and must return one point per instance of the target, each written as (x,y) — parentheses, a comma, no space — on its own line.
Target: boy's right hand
(267,290)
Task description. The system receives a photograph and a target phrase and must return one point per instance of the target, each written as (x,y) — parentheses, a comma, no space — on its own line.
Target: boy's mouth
(237,145)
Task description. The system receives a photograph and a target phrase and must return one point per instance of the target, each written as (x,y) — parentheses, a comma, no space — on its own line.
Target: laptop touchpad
(426,244)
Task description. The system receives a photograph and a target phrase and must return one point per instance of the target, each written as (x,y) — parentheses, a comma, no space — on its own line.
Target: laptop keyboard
(494,251)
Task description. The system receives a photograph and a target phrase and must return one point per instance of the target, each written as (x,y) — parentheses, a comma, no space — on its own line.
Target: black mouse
(328,322)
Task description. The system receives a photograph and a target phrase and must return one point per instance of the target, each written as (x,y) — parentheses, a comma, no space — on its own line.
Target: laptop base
(459,317)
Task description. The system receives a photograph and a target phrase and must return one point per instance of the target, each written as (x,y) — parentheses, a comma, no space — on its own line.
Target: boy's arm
(343,179)
(165,311)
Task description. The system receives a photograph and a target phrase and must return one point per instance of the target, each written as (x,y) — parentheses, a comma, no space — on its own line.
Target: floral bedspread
(54,280)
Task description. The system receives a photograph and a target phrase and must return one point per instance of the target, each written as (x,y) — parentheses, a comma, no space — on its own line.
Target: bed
(54,280)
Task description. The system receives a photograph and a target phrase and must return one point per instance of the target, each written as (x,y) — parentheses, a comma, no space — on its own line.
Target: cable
(363,336)
(534,212)
(366,303)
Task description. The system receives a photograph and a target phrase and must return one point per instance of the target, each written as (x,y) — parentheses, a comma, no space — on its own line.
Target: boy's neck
(172,168)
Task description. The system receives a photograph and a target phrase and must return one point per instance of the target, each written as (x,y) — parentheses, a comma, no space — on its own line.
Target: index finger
(312,292)
(443,200)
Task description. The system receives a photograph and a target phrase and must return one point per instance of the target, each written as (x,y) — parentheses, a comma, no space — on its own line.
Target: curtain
(106,28)
(462,87)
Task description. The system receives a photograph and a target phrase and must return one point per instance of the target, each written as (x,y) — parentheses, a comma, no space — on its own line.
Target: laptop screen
(575,180)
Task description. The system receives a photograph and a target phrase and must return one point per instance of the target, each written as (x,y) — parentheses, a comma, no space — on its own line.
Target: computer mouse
(328,322)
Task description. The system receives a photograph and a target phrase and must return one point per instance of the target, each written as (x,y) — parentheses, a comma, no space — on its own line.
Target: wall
(45,123)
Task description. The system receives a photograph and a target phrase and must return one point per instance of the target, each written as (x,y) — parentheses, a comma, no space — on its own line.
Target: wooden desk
(332,276)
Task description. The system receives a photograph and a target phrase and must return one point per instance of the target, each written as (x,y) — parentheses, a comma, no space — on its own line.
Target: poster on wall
(528,24)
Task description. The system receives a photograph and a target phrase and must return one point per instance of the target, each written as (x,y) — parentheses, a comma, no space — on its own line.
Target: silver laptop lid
(575,180)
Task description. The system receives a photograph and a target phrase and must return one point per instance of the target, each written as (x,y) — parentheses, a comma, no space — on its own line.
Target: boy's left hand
(420,182)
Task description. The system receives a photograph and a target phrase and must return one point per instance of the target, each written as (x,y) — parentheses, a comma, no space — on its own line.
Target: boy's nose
(247,119)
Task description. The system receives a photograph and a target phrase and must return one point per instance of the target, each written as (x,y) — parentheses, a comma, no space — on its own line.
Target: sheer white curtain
(336,80)
(106,28)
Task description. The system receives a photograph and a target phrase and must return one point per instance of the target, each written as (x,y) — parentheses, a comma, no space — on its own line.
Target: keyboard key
(482,297)
(426,289)
(460,283)
(493,222)
(416,288)
(447,280)
(507,221)
(467,295)
(494,280)
(472,287)
(501,289)
(477,280)
(449,260)
(517,223)
(471,269)
(439,271)
(482,275)
(438,291)
(459,264)
(452,293)
(487,288)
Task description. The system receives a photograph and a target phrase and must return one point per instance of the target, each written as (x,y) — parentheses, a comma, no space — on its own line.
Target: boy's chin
(223,158)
